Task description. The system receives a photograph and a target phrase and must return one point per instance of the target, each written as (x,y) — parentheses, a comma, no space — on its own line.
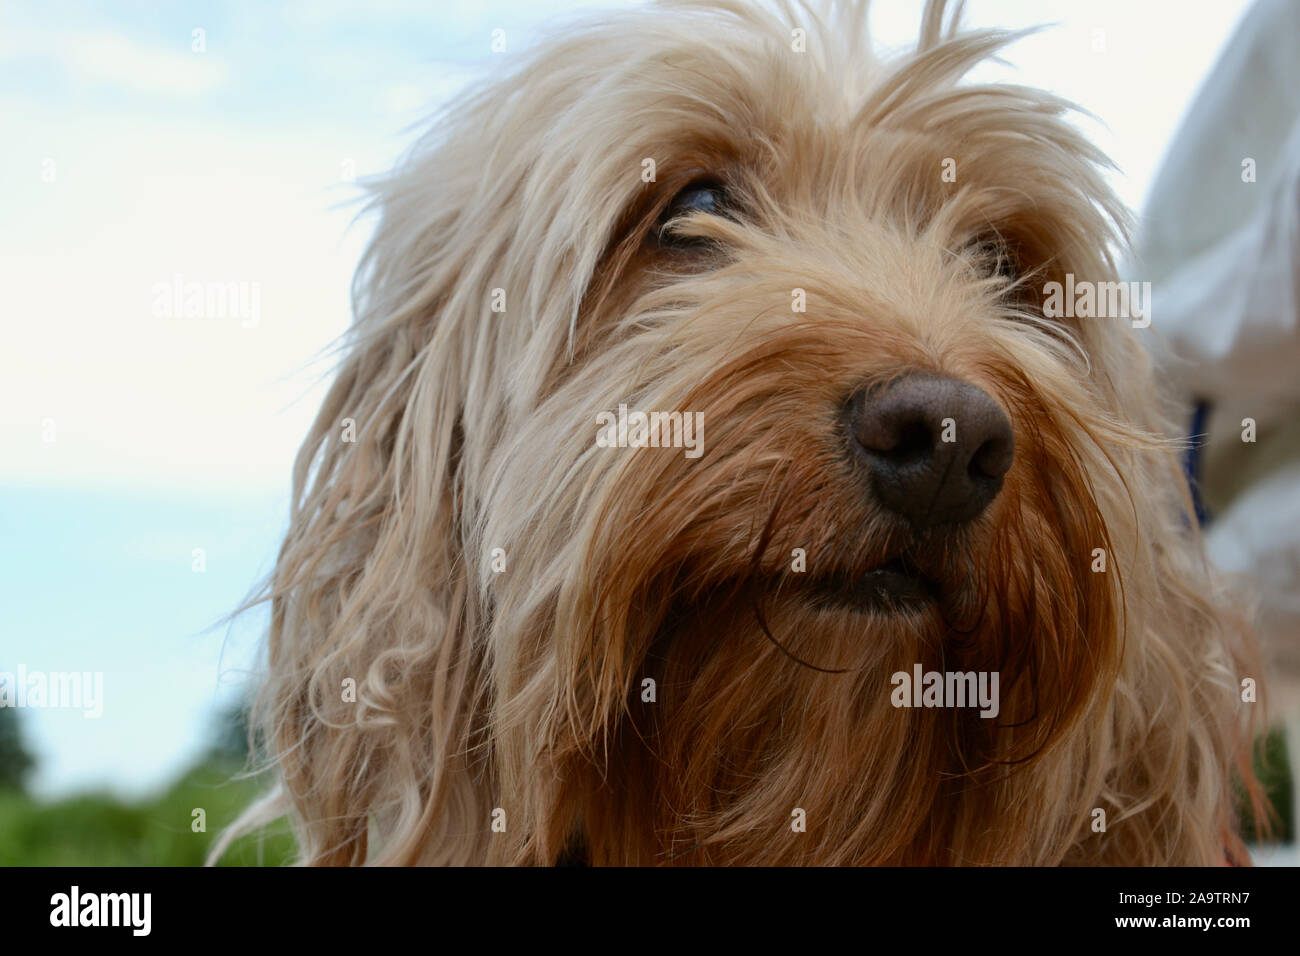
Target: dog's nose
(937,448)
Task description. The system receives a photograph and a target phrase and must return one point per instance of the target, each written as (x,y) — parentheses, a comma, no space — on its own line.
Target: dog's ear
(369,701)
(373,691)
(466,303)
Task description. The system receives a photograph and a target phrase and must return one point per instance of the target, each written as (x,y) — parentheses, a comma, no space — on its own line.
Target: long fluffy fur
(520,690)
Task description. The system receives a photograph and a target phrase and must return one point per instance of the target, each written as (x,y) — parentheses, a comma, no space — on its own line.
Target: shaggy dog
(514,622)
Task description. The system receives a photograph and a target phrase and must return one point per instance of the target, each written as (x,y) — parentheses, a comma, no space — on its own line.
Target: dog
(522,616)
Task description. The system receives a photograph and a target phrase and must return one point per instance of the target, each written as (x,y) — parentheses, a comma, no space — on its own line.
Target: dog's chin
(897,587)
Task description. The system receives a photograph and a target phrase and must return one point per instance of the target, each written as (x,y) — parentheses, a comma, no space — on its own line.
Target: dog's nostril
(993,460)
(899,439)
(914,442)
(937,449)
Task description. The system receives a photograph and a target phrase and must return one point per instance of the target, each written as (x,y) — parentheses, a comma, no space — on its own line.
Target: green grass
(100,830)
(1278,781)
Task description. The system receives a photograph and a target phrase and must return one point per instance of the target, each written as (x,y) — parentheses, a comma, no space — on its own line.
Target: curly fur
(520,690)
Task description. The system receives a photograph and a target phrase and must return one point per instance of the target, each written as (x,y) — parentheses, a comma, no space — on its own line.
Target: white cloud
(144,401)
(108,57)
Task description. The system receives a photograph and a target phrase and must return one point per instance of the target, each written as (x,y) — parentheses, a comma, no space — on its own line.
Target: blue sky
(129,158)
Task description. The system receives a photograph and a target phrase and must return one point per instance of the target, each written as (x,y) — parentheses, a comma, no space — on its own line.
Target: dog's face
(828,279)
(833,269)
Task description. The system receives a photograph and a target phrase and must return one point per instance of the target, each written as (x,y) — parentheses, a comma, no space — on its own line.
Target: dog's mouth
(896,586)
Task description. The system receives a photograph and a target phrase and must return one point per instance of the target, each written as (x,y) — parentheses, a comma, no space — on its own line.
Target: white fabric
(1224,258)
(1232,313)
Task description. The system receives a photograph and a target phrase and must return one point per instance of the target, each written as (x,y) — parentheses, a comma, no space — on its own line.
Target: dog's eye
(992,257)
(697,199)
(708,198)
